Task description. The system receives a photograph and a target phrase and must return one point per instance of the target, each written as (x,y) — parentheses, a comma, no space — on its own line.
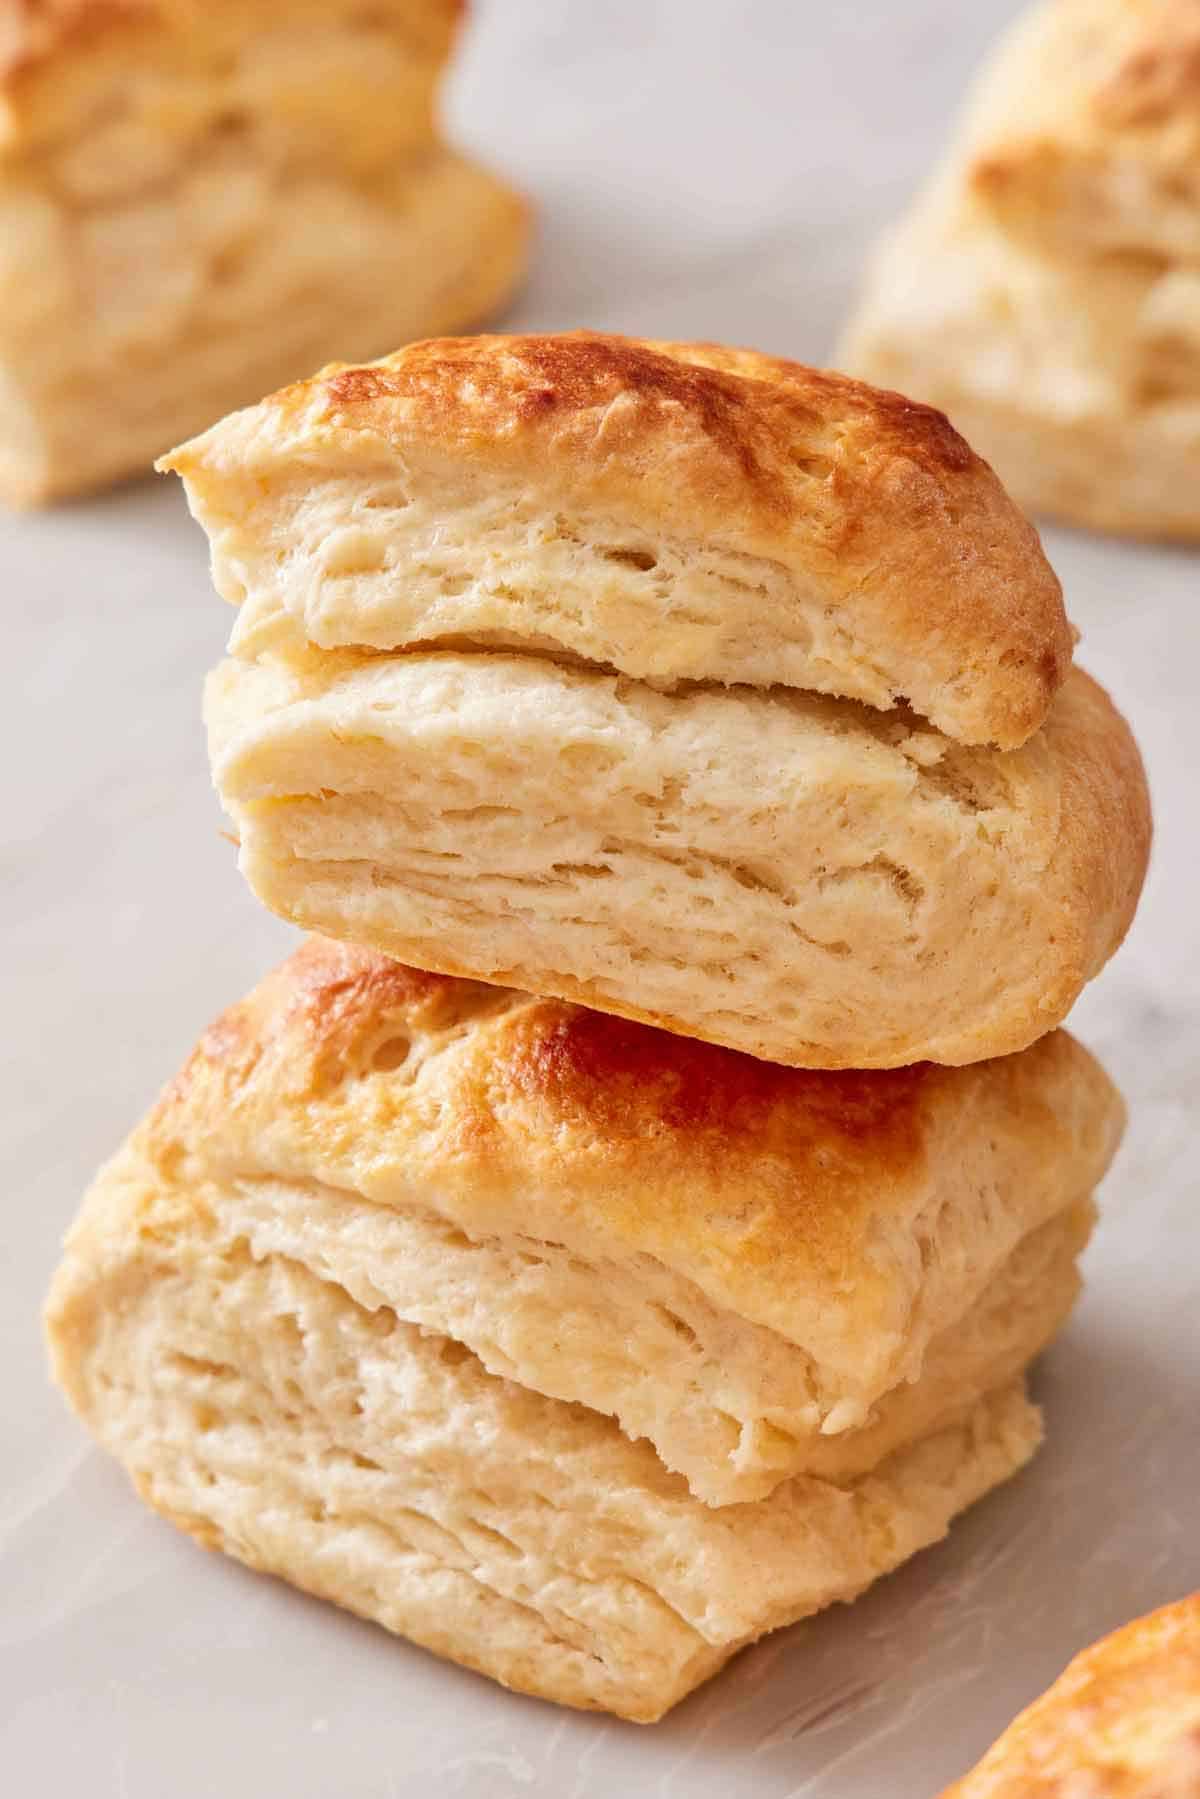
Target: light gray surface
(704,169)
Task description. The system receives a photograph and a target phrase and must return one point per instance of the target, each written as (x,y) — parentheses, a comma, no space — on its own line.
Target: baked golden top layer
(878,516)
(1123,1721)
(34,31)
(797,1198)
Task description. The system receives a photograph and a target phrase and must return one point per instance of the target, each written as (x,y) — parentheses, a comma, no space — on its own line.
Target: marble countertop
(706,168)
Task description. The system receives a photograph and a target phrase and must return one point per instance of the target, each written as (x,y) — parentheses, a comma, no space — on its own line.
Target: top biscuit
(1084,135)
(676,512)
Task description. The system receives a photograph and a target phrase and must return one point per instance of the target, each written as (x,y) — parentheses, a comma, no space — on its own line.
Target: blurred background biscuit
(199,202)
(1045,287)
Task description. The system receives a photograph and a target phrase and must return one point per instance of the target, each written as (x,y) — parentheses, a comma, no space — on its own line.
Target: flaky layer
(1079,380)
(123,324)
(803,879)
(272,1415)
(747,1264)
(1123,1721)
(675,511)
(733,1407)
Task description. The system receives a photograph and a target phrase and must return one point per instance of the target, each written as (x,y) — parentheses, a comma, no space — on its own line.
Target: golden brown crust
(35,32)
(70,67)
(1113,468)
(611,1087)
(1104,791)
(872,503)
(760,1183)
(31,31)
(1123,1721)
(1157,79)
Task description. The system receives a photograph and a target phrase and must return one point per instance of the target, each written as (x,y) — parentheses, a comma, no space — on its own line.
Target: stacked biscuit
(665,1265)
(1045,289)
(199,202)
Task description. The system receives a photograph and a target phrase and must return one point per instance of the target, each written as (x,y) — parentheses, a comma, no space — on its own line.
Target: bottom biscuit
(266,1412)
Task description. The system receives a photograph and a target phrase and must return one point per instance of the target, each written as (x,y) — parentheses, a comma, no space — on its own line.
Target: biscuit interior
(808,880)
(270,1414)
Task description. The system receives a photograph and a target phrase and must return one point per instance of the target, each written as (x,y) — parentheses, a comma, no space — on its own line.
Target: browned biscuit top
(32,32)
(880,515)
(537,1115)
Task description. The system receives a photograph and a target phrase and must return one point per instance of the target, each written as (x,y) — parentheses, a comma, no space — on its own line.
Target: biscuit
(762,1271)
(271,1414)
(1045,289)
(1084,135)
(1123,1720)
(678,513)
(199,202)
(807,880)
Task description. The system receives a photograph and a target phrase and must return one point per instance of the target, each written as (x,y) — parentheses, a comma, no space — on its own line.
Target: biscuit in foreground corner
(199,202)
(695,686)
(1123,1721)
